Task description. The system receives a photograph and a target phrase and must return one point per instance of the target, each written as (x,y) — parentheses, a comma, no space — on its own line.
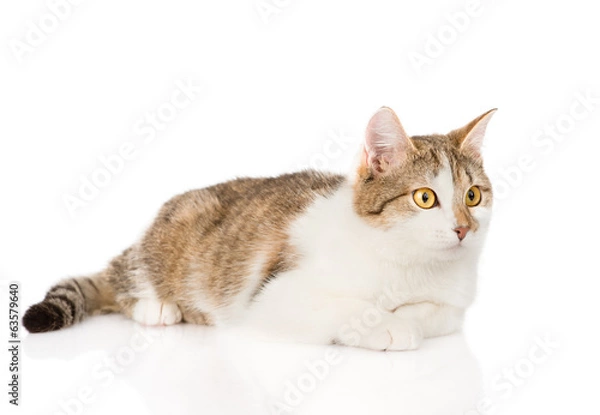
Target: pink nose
(461,232)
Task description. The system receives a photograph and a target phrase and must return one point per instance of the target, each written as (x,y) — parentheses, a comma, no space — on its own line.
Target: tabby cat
(380,259)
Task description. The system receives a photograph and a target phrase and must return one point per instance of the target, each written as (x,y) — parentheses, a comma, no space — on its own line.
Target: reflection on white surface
(112,365)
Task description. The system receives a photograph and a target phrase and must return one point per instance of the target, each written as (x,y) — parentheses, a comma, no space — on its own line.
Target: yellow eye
(425,198)
(473,196)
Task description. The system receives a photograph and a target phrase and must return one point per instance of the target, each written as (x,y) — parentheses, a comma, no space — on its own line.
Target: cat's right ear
(386,142)
(470,137)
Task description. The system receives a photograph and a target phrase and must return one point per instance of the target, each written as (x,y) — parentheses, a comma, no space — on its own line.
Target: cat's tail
(71,300)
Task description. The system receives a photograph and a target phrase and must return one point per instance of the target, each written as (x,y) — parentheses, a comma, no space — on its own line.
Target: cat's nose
(461,232)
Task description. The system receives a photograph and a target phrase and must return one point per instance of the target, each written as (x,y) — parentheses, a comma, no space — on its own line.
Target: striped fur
(301,254)
(197,254)
(69,302)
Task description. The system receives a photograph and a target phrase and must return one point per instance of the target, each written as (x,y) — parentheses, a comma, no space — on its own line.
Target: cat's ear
(386,142)
(470,137)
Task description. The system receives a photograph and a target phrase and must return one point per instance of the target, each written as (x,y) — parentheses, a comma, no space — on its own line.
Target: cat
(381,259)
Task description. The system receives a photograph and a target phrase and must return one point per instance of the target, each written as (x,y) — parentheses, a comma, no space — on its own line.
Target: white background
(273,93)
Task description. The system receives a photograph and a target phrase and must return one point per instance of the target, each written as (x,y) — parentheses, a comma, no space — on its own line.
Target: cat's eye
(425,198)
(473,196)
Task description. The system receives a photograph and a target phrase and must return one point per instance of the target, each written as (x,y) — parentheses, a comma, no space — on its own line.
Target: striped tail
(69,302)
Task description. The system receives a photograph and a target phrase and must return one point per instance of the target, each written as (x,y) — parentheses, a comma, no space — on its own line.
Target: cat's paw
(394,335)
(156,313)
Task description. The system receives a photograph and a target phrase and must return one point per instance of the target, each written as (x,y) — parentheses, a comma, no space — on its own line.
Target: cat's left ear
(386,142)
(470,137)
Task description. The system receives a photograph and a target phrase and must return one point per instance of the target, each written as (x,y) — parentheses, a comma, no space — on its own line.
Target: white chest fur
(345,267)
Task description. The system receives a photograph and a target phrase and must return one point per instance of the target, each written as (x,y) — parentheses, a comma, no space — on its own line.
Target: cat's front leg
(405,327)
(433,318)
(289,313)
(390,333)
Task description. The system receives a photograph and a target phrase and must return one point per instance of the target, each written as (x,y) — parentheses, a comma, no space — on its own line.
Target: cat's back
(263,198)
(297,188)
(217,235)
(243,208)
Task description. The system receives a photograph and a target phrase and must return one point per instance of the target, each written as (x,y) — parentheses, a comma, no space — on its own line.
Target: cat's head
(429,192)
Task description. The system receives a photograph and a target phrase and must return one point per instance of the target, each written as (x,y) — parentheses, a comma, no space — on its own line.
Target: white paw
(156,313)
(395,334)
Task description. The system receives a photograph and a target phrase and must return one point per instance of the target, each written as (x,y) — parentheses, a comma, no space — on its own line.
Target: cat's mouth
(455,247)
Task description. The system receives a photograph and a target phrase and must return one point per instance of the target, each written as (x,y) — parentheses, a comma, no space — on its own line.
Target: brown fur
(376,193)
(202,241)
(244,215)
(201,248)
